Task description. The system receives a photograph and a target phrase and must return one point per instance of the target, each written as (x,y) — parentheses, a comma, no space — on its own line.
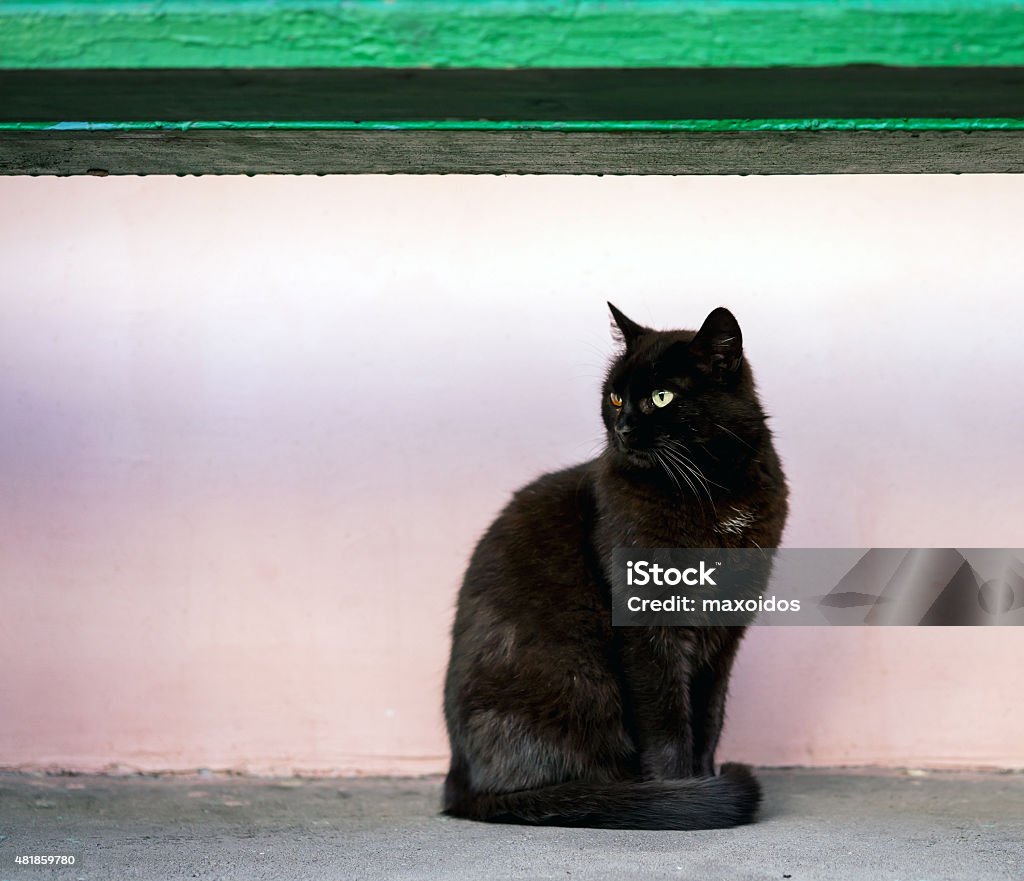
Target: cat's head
(673,396)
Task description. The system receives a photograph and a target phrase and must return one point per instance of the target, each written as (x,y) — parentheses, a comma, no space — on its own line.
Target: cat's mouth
(632,455)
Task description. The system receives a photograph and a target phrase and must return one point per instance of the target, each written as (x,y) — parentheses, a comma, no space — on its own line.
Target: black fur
(556,718)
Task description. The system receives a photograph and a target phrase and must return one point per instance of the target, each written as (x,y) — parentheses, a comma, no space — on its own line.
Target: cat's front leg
(708,690)
(657,680)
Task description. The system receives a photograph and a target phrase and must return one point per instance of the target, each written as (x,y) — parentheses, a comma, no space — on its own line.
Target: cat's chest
(727,525)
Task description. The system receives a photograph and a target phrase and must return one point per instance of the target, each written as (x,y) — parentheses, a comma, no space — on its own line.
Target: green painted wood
(41,34)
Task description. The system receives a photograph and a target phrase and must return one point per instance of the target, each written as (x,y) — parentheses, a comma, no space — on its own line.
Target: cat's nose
(623,429)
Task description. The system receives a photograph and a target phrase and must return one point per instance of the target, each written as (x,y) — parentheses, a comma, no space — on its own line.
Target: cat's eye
(615,399)
(662,398)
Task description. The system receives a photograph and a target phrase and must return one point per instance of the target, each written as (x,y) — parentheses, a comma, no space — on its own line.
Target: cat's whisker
(693,489)
(666,469)
(668,460)
(697,475)
(702,487)
(708,451)
(733,433)
(594,447)
(675,445)
(675,473)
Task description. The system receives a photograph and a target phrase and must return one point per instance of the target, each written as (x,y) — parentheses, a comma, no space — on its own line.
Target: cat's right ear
(625,329)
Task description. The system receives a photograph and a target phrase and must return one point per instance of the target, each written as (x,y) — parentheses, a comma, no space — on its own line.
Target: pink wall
(252,427)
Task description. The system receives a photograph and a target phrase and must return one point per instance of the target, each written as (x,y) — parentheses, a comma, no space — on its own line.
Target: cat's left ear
(718,345)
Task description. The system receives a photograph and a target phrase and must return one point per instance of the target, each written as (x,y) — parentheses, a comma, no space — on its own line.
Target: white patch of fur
(737,523)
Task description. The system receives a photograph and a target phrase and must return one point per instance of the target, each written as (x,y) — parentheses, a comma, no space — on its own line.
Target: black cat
(556,718)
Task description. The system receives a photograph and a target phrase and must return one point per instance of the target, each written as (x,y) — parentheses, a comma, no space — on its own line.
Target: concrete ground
(815,825)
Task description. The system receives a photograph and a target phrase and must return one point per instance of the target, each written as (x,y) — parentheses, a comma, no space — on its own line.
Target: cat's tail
(730,799)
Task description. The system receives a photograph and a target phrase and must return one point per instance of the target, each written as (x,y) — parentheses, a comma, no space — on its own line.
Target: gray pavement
(893,826)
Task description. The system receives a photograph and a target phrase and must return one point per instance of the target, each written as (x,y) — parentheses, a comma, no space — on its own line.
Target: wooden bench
(511,86)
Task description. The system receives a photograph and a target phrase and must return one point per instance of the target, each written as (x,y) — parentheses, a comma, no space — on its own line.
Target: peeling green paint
(509,33)
(677,125)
